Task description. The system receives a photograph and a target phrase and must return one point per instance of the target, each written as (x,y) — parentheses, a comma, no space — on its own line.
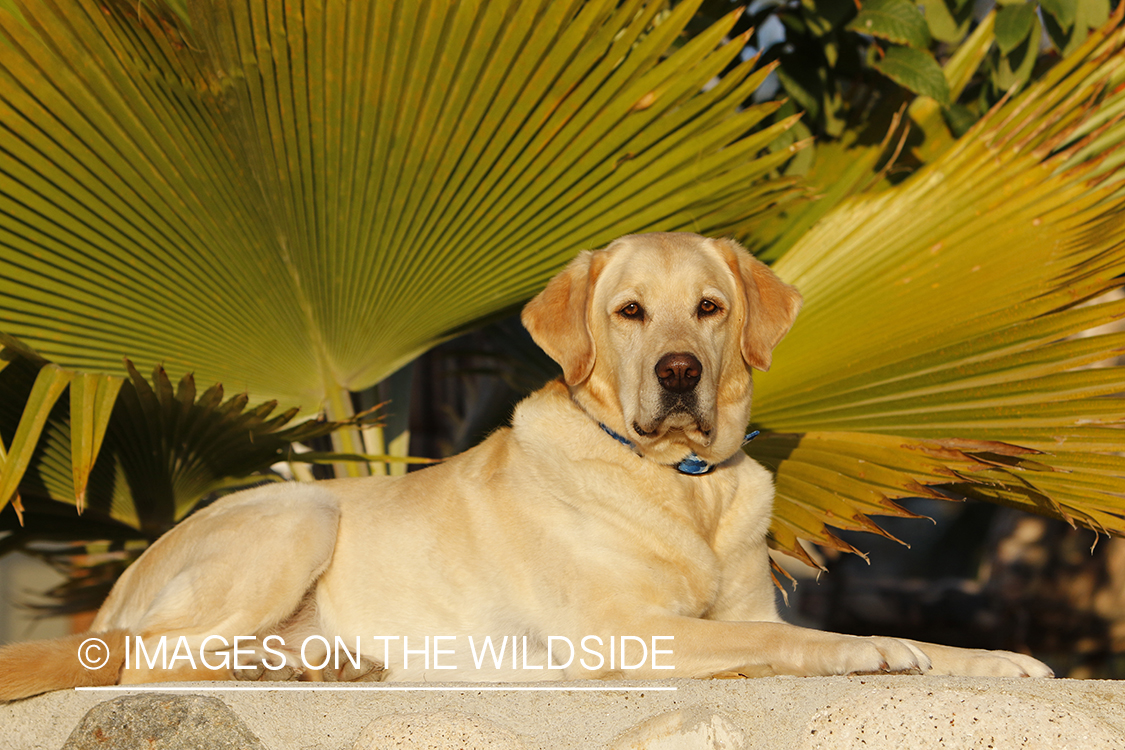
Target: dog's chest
(658,545)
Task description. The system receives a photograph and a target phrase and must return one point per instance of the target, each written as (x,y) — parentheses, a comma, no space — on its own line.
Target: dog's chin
(673,432)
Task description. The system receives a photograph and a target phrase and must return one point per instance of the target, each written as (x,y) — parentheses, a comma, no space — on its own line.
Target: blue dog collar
(693,464)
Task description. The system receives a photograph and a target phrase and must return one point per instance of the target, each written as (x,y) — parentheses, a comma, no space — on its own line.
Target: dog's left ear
(558,319)
(771,305)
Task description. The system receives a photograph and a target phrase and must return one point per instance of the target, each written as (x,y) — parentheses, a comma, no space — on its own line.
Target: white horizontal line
(369,688)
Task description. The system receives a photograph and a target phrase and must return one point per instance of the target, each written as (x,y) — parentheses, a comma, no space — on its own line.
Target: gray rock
(162,721)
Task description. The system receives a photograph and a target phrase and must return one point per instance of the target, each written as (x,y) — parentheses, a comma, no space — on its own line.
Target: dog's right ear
(558,318)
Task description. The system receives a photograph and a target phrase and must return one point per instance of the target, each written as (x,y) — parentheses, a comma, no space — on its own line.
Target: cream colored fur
(548,528)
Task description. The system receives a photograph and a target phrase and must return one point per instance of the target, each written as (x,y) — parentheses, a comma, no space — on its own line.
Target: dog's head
(657,335)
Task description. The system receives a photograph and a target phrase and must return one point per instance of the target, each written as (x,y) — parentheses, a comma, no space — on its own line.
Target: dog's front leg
(704,648)
(747,593)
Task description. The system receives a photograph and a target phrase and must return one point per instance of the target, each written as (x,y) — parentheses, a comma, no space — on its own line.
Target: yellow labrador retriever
(615,530)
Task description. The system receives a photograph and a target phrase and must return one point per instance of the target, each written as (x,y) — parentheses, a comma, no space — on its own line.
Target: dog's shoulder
(553,433)
(551,404)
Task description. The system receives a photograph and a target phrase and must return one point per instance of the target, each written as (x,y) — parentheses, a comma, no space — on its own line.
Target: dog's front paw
(259,673)
(367,671)
(972,662)
(849,654)
(891,656)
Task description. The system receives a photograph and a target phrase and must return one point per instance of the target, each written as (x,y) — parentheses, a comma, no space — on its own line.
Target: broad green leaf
(897,21)
(1063,11)
(947,350)
(946,23)
(296,200)
(1014,26)
(1013,68)
(916,70)
(1093,13)
(1067,37)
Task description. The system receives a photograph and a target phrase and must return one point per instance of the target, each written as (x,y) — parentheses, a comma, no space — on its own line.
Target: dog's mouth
(689,422)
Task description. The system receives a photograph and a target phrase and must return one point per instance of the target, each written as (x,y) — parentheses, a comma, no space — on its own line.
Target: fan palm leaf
(295,199)
(941,350)
(166,448)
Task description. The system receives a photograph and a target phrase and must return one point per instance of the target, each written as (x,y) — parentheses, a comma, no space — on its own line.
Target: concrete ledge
(777,712)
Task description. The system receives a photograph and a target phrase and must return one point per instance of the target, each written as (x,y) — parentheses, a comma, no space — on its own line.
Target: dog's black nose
(678,372)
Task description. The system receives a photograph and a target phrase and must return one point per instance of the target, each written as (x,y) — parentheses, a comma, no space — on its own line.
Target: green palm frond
(295,199)
(942,347)
(165,448)
(161,449)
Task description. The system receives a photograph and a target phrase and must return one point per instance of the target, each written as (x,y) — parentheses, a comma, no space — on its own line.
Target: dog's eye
(632,311)
(707,307)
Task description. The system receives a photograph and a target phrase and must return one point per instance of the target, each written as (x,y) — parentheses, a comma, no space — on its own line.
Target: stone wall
(780,712)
